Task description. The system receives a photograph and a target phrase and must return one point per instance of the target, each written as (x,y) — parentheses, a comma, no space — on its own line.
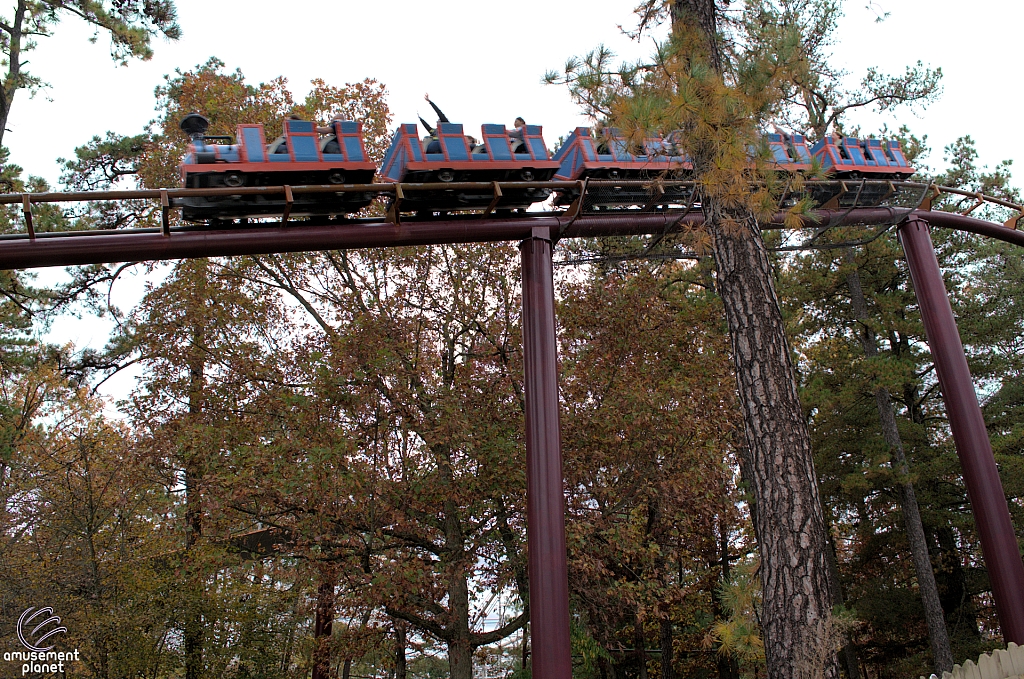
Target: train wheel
(446,175)
(234,179)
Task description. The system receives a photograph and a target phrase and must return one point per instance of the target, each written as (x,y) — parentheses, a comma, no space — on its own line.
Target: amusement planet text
(41,661)
(35,632)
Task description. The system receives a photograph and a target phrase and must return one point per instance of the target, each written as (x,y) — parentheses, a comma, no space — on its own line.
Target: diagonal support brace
(985,490)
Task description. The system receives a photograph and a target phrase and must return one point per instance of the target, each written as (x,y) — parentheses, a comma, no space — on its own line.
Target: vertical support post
(545,497)
(988,501)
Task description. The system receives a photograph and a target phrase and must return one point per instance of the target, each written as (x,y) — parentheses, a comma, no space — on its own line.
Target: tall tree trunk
(640,648)
(524,656)
(14,80)
(460,658)
(400,649)
(796,618)
(847,654)
(937,634)
(193,530)
(193,463)
(667,672)
(704,14)
(323,624)
(460,649)
(952,581)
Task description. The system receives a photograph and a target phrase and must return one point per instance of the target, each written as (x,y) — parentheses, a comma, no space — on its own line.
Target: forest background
(358,415)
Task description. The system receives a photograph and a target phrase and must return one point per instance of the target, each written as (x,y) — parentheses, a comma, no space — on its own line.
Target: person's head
(471,140)
(519,122)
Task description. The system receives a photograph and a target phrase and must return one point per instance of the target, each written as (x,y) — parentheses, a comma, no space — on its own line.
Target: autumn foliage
(320,470)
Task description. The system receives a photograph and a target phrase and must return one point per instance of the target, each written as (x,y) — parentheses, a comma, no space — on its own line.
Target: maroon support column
(991,514)
(545,499)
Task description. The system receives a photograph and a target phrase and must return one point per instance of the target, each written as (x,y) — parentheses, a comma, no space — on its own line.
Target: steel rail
(392,188)
(952,220)
(167,196)
(66,248)
(140,194)
(153,244)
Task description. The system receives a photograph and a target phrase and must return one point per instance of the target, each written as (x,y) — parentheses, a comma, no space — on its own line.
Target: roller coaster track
(594,208)
(597,208)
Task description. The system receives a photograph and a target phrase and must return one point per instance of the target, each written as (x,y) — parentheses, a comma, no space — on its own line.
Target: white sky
(481,62)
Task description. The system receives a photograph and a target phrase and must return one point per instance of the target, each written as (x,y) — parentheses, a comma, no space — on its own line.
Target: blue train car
(299,157)
(407,161)
(614,157)
(625,171)
(789,151)
(849,157)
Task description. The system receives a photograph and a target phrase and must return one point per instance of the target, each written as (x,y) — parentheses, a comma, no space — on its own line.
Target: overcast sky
(483,62)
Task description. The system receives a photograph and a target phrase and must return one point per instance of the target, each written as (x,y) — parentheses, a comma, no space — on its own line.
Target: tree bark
(400,649)
(194,633)
(323,623)
(666,649)
(524,656)
(460,648)
(706,14)
(847,654)
(942,654)
(796,619)
(797,612)
(639,648)
(460,658)
(951,578)
(13,82)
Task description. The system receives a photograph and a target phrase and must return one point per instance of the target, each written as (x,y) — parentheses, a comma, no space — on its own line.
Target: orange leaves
(648,398)
(365,101)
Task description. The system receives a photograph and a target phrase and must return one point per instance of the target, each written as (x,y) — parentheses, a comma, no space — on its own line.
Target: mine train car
(301,157)
(453,161)
(298,157)
(614,157)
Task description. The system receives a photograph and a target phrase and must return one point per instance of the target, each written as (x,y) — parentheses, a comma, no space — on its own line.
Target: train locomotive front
(298,158)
